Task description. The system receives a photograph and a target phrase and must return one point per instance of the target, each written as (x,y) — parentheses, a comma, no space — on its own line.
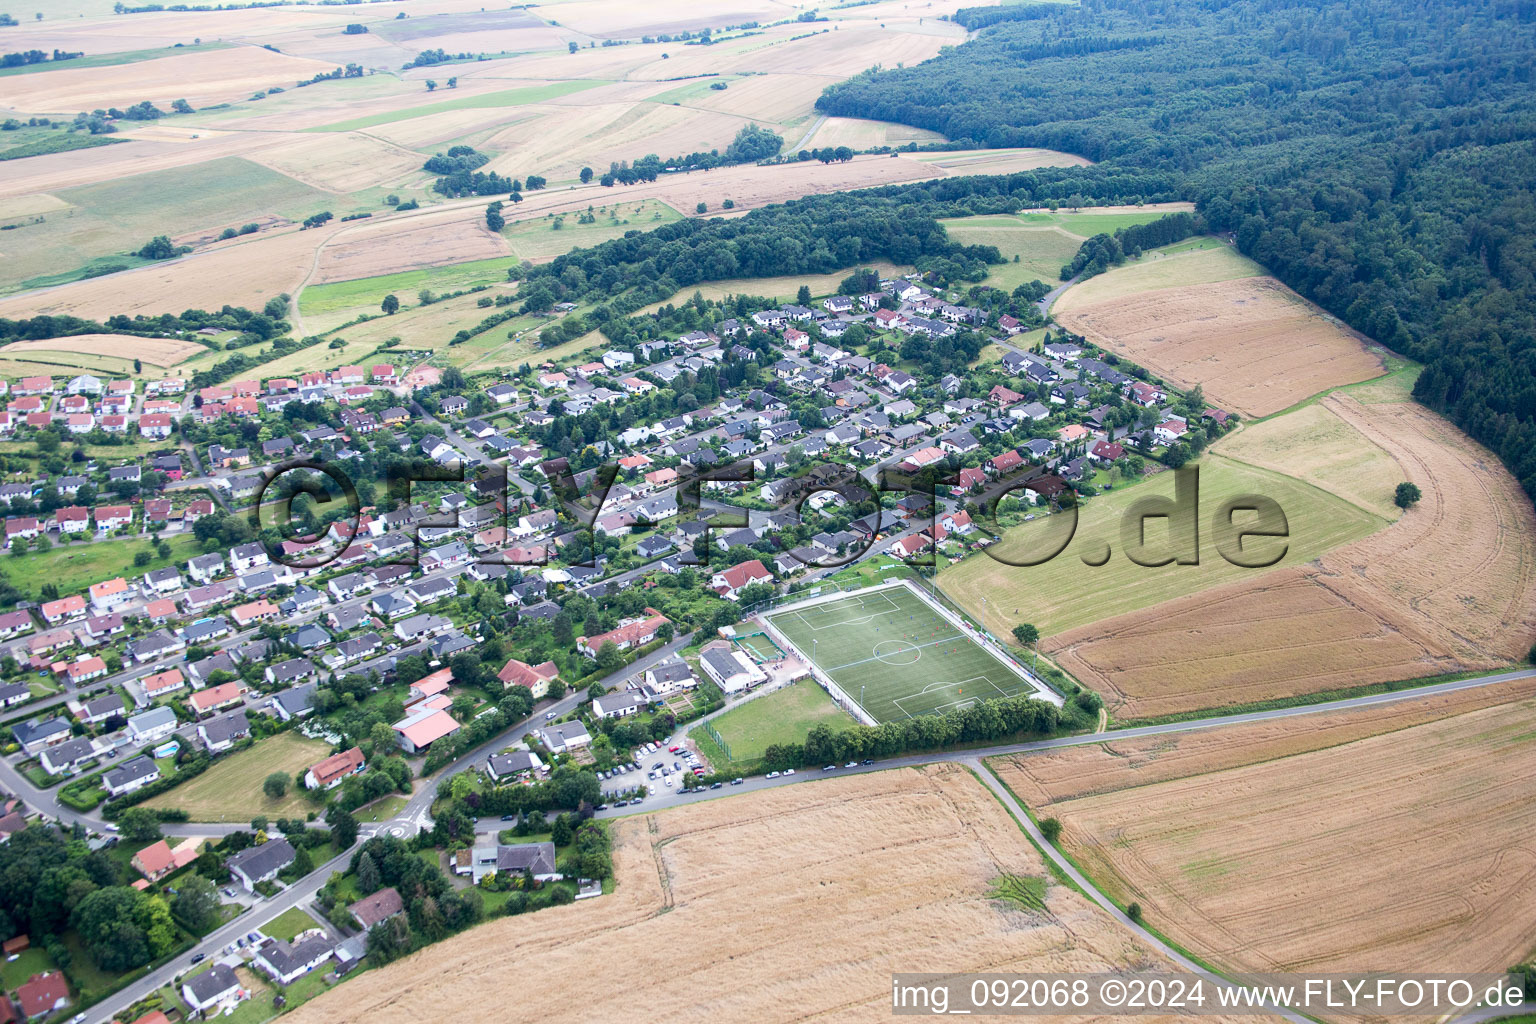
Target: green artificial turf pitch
(896,650)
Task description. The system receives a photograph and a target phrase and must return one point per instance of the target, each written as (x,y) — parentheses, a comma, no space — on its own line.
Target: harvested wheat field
(1405,852)
(785,905)
(1315,444)
(1046,778)
(431,239)
(857,133)
(1450,586)
(340,163)
(606,18)
(1254,345)
(246,274)
(209,76)
(158,351)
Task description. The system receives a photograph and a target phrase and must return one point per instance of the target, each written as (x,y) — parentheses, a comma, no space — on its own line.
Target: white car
(773,775)
(789,771)
(667,783)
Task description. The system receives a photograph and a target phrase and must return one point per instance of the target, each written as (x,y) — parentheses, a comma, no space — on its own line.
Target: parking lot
(657,767)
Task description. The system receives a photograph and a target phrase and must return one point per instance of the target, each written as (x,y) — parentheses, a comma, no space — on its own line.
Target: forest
(1376,157)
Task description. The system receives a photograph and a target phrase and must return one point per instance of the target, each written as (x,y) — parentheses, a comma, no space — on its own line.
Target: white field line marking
(918,647)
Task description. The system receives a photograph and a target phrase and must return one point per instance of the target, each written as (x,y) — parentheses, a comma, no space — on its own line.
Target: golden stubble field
(786,905)
(1450,586)
(1255,346)
(158,351)
(1391,838)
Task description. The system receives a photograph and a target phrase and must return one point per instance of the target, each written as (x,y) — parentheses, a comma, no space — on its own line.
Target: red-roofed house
(111,517)
(33,386)
(536,677)
(347,375)
(155,425)
(215,697)
(111,595)
(1170,430)
(1003,397)
(970,477)
(1005,462)
(75,519)
(957,522)
(1106,451)
(21,528)
(1073,433)
(158,859)
(63,610)
(42,995)
(160,611)
(730,582)
(420,730)
(909,546)
(329,773)
(384,373)
(165,682)
(85,670)
(632,634)
(1143,393)
(923,457)
(80,423)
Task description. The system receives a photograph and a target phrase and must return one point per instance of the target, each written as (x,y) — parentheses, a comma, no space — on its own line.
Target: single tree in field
(390,305)
(1027,636)
(275,785)
(1050,828)
(586,175)
(803,296)
(431,85)
(1407,495)
(701,208)
(453,83)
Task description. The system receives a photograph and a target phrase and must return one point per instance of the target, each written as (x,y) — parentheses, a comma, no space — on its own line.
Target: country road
(415,815)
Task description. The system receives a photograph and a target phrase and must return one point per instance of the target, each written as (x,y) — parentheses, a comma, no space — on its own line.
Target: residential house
(256,864)
(220,734)
(329,773)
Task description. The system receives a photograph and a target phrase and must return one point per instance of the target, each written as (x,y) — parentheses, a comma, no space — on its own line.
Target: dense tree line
(751,144)
(1377,158)
(985,720)
(262,325)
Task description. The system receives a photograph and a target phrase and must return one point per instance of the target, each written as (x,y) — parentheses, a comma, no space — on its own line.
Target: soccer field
(898,652)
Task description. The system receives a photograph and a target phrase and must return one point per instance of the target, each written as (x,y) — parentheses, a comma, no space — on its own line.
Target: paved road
(815,126)
(413,816)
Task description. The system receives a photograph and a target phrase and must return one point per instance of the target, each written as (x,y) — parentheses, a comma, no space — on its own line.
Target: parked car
(773,775)
(549,716)
(716,785)
(789,771)
(736,782)
(851,764)
(199,958)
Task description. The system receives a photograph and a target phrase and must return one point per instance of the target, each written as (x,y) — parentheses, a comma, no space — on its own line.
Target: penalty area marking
(963,701)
